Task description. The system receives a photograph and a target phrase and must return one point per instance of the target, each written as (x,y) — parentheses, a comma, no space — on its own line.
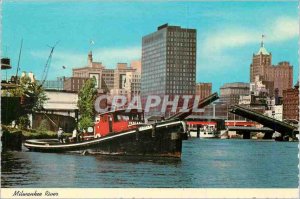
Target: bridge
(246,131)
(202,103)
(276,125)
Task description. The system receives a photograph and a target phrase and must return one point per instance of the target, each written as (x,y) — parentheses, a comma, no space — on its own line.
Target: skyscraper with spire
(260,62)
(280,75)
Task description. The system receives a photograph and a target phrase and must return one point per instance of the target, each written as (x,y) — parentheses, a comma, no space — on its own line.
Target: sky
(228,33)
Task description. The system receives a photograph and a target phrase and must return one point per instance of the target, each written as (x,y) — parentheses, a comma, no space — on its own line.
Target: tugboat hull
(160,140)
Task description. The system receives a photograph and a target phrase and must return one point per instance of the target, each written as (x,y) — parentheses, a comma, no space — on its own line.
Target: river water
(204,163)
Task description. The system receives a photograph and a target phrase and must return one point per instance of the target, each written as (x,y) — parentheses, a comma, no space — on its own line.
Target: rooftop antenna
(18,67)
(262,40)
(91,44)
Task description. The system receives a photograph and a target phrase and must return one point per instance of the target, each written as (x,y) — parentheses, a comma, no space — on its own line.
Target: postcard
(149,99)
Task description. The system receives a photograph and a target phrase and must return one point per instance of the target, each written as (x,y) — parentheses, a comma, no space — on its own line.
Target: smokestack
(90,58)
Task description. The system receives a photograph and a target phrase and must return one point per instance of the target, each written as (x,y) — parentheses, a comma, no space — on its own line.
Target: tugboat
(124,133)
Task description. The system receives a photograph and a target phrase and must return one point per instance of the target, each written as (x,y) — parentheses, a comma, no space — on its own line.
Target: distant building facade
(74,83)
(291,103)
(57,84)
(108,77)
(231,92)
(203,89)
(92,69)
(107,80)
(120,74)
(275,112)
(168,62)
(133,84)
(281,74)
(262,88)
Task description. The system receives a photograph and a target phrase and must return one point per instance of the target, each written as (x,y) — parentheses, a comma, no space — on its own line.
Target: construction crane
(47,66)
(18,67)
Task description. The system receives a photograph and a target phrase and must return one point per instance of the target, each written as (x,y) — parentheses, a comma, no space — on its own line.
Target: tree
(44,126)
(32,96)
(86,99)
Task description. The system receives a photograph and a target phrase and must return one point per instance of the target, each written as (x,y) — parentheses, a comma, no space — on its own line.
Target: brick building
(203,89)
(291,103)
(92,69)
(74,83)
(107,80)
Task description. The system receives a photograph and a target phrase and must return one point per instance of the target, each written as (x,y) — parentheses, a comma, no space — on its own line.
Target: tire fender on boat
(153,129)
(137,134)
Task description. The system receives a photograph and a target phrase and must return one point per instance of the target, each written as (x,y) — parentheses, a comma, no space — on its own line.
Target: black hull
(164,140)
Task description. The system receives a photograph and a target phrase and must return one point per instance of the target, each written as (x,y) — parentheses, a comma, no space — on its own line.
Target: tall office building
(168,62)
(203,89)
(281,74)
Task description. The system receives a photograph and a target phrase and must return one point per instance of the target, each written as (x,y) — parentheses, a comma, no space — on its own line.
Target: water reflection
(137,160)
(204,163)
(18,165)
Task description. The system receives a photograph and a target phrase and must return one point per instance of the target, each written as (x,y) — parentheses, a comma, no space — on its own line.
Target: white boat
(207,130)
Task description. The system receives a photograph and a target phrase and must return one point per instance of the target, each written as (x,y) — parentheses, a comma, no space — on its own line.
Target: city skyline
(228,33)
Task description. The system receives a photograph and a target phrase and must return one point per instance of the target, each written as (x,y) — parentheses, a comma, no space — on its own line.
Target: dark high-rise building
(169,62)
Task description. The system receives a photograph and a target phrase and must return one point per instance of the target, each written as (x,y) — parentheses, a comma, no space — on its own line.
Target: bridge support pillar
(246,135)
(268,135)
(198,131)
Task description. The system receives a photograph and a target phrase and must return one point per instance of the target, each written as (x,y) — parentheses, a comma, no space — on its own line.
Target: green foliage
(44,126)
(39,96)
(85,122)
(33,92)
(86,99)
(23,121)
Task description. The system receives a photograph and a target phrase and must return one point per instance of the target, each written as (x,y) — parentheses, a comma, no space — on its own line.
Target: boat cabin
(207,126)
(118,121)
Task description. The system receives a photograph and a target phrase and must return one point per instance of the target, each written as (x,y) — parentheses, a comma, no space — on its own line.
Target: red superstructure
(117,121)
(239,123)
(203,123)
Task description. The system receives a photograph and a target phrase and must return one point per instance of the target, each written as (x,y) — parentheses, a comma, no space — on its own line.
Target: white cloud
(229,38)
(284,28)
(214,48)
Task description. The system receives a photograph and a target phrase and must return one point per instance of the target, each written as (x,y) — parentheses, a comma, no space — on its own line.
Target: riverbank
(12,138)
